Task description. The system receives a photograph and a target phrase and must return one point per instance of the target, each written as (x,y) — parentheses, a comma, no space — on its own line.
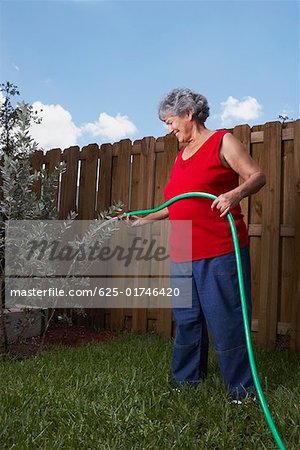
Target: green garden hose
(243,302)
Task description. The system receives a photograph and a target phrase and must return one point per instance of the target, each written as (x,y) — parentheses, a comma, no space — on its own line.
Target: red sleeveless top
(210,233)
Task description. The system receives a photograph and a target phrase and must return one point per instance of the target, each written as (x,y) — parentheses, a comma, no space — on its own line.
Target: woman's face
(181,126)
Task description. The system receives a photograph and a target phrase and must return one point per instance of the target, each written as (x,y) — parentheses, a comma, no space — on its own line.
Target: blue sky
(99,68)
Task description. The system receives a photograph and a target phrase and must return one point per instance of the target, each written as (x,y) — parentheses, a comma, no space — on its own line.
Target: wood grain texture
(69,181)
(295,337)
(243,133)
(270,236)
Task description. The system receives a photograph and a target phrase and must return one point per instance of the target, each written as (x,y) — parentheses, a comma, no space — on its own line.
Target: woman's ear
(189,114)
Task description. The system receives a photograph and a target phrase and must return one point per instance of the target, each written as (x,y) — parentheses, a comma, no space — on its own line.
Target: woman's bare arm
(138,221)
(233,154)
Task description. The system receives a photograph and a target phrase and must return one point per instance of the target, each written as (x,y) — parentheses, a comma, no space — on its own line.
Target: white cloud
(109,127)
(234,110)
(16,67)
(57,128)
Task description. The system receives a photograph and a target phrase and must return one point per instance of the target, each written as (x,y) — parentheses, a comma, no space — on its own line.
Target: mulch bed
(57,334)
(74,335)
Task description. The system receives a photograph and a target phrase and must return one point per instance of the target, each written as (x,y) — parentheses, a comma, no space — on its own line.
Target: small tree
(8,118)
(18,199)
(15,122)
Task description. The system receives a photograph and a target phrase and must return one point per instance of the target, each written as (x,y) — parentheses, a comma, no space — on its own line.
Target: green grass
(116,395)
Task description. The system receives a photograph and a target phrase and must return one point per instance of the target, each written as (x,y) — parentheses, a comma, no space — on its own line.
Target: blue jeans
(216,304)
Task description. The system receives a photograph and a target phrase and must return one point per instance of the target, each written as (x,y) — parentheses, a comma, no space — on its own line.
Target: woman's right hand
(137,221)
(134,221)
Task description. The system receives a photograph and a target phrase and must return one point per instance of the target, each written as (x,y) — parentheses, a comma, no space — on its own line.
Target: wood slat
(255,213)
(257,137)
(103,201)
(288,134)
(68,182)
(52,160)
(287,241)
(255,256)
(164,320)
(37,160)
(282,327)
(285,231)
(144,200)
(87,186)
(256,200)
(105,177)
(254,229)
(295,336)
(120,180)
(243,133)
(270,236)
(87,198)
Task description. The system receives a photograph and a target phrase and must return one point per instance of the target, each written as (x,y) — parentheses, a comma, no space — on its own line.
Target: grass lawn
(116,395)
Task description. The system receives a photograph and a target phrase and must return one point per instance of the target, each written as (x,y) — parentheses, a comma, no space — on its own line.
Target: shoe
(247,399)
(176,389)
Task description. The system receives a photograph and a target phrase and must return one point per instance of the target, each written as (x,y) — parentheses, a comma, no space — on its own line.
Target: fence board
(69,181)
(144,187)
(36,159)
(243,133)
(270,236)
(254,225)
(105,177)
(287,241)
(255,256)
(101,316)
(121,178)
(295,341)
(256,200)
(158,198)
(164,316)
(87,185)
(52,160)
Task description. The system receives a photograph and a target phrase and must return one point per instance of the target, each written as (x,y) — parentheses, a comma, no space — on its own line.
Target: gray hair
(178,101)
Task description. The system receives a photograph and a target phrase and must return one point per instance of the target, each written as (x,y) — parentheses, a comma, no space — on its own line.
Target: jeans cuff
(241,392)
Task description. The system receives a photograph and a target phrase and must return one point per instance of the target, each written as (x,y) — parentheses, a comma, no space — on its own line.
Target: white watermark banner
(98,264)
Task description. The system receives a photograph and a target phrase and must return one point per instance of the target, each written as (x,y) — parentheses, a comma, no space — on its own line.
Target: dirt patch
(74,335)
(58,334)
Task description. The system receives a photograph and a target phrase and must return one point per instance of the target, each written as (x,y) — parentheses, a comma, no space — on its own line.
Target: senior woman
(211,161)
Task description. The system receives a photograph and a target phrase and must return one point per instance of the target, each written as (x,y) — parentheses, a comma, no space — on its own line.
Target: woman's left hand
(226,202)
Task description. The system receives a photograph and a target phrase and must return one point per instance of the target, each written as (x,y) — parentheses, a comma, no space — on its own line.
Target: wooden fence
(137,172)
